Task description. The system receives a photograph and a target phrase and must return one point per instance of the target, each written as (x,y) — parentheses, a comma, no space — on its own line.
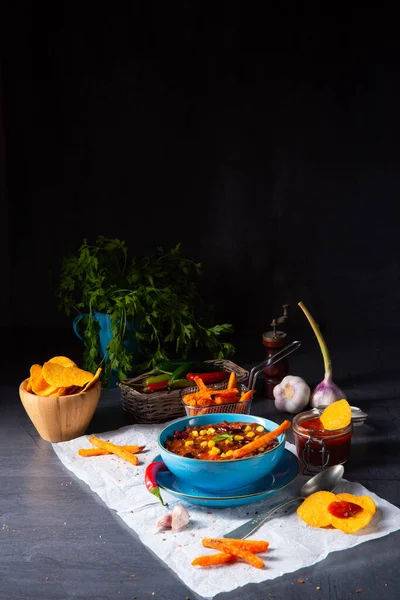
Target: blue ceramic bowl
(220,475)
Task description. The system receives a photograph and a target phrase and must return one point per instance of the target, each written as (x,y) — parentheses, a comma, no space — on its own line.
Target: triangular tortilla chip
(92,382)
(60,376)
(64,361)
(39,384)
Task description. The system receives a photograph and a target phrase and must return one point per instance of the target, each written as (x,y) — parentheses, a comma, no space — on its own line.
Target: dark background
(265,140)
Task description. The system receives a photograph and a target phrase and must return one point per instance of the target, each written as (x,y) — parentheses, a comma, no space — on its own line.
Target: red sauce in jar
(343,509)
(314,424)
(319,447)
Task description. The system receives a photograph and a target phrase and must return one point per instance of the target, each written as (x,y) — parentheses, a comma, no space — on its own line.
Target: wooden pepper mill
(274,340)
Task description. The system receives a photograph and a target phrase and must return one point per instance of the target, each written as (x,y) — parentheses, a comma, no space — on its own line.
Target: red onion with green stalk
(327,391)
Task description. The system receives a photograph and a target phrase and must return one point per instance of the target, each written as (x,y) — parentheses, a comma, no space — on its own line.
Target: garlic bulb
(292,394)
(327,391)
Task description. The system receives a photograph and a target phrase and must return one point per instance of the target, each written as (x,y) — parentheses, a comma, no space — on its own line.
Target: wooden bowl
(60,419)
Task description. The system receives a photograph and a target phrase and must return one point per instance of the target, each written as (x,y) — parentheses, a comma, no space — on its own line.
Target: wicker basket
(233,407)
(163,406)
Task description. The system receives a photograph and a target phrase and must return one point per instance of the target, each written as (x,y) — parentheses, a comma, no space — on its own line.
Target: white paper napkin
(293,544)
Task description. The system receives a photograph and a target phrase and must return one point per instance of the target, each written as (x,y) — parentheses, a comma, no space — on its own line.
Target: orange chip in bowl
(92,382)
(64,361)
(336,415)
(70,391)
(40,386)
(60,376)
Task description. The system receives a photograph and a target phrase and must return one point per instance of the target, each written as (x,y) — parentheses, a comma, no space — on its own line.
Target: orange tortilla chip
(73,389)
(354,523)
(60,376)
(337,415)
(365,501)
(314,509)
(64,361)
(40,386)
(28,385)
(93,381)
(61,392)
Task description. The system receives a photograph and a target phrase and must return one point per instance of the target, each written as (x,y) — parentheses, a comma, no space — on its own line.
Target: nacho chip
(353,523)
(60,376)
(61,392)
(314,509)
(40,386)
(93,381)
(336,416)
(64,361)
(73,389)
(365,501)
(28,385)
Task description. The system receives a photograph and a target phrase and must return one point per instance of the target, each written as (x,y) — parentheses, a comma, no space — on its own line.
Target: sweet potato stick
(229,548)
(131,458)
(213,559)
(200,383)
(254,546)
(101,451)
(246,395)
(231,381)
(261,441)
(211,392)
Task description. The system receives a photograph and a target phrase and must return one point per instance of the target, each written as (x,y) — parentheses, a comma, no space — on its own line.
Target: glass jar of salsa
(317,447)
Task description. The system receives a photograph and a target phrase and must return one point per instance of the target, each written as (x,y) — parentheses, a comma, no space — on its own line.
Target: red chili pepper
(209,377)
(153,387)
(150,478)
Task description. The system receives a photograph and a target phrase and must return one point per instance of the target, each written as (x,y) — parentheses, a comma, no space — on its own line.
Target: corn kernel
(203,432)
(204,444)
(250,434)
(223,455)
(189,443)
(229,453)
(247,428)
(237,438)
(228,442)
(211,430)
(260,428)
(215,450)
(261,449)
(211,444)
(195,433)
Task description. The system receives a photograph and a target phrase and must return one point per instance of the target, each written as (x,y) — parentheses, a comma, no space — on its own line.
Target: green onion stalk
(327,391)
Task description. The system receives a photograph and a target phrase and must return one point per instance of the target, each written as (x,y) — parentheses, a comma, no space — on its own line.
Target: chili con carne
(217,441)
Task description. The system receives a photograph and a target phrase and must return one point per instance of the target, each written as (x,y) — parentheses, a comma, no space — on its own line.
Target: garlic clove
(165,522)
(179,518)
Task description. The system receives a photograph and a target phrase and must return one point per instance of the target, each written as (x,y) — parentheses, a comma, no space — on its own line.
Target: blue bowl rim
(233,460)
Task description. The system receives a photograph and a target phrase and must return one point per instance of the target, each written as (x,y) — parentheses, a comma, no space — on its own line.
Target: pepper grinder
(274,340)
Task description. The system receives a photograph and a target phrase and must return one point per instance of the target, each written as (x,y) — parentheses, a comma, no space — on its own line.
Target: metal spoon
(326,480)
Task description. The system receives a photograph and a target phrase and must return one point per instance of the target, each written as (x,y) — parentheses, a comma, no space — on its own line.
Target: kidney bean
(180,435)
